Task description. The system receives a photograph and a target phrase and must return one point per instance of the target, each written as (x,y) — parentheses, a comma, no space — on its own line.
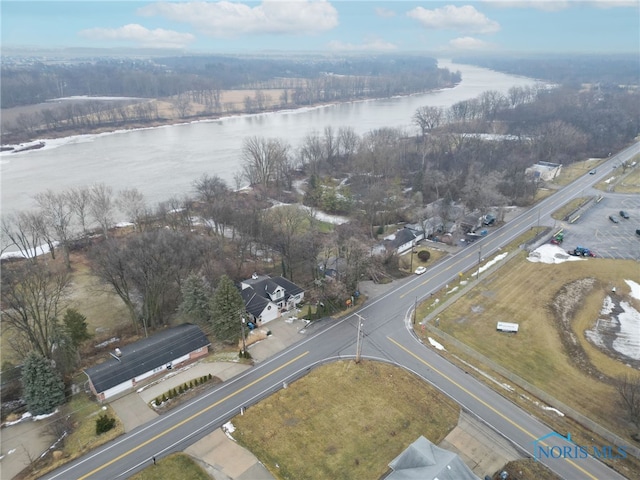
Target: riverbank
(232,102)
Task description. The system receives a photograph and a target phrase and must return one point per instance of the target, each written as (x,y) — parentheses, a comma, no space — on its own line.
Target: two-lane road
(387,337)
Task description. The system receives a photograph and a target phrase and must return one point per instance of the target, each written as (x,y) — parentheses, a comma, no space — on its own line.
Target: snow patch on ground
(491,263)
(435,344)
(551,254)
(620,333)
(551,409)
(32,252)
(635,289)
(627,341)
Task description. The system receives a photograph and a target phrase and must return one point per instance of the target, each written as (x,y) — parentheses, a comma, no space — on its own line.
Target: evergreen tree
(76,326)
(196,299)
(42,387)
(227,310)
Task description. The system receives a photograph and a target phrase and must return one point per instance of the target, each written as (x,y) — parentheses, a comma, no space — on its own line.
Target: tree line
(180,253)
(200,80)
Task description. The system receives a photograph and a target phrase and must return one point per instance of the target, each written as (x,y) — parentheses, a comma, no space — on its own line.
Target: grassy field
(630,183)
(536,353)
(344,421)
(570,172)
(175,467)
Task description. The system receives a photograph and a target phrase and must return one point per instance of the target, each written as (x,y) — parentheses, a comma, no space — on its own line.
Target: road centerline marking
(186,420)
(475,397)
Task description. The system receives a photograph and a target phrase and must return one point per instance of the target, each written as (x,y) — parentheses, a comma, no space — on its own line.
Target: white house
(265,298)
(544,170)
(129,366)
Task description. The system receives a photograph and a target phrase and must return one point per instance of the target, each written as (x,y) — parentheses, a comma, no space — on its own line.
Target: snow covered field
(618,325)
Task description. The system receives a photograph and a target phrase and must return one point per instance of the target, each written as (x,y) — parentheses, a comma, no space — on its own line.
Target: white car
(420,270)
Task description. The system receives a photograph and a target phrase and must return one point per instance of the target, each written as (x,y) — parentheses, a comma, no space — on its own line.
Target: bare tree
(20,230)
(312,153)
(213,193)
(131,202)
(348,141)
(80,201)
(182,105)
(101,206)
(285,224)
(57,213)
(147,269)
(33,295)
(261,158)
(427,118)
(628,387)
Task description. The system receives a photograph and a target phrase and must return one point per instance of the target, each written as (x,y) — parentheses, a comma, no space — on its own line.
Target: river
(164,161)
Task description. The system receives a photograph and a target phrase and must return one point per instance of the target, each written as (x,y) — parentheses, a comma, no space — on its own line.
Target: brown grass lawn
(630,183)
(105,312)
(521,292)
(177,466)
(570,172)
(406,264)
(344,421)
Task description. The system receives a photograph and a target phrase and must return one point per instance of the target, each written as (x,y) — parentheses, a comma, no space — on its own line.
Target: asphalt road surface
(385,334)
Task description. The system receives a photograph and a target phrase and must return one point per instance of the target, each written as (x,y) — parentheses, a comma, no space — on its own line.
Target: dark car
(638,231)
(624,214)
(613,219)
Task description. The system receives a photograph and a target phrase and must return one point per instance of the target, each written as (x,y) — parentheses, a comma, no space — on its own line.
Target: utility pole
(244,345)
(479,261)
(358,343)
(415,311)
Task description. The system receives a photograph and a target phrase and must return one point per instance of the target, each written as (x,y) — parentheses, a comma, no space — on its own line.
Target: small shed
(132,364)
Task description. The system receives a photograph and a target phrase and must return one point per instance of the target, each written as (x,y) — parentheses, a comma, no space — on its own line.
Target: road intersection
(386,336)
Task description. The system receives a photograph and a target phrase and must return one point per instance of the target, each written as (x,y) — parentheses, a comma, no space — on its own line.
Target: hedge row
(175,392)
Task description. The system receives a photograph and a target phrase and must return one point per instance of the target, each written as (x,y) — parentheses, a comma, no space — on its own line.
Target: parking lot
(602,236)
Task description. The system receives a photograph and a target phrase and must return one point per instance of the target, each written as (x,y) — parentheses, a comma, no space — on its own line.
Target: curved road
(387,336)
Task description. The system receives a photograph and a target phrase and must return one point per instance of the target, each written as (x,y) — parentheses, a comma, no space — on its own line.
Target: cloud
(158,38)
(614,3)
(229,19)
(545,5)
(557,5)
(384,12)
(468,43)
(450,17)
(372,45)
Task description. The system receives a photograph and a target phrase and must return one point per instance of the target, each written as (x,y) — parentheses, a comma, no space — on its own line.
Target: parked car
(637,231)
(489,219)
(420,270)
(613,219)
(624,214)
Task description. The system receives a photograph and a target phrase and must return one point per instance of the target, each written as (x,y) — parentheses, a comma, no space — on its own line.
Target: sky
(329,26)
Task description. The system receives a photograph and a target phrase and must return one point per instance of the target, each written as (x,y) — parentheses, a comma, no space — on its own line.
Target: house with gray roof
(266,298)
(423,460)
(130,365)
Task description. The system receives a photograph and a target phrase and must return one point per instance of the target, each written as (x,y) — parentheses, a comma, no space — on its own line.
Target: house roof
(146,354)
(254,303)
(423,460)
(402,236)
(256,290)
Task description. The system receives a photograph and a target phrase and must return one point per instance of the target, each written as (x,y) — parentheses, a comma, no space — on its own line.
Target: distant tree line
(603,71)
(166,77)
(200,80)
